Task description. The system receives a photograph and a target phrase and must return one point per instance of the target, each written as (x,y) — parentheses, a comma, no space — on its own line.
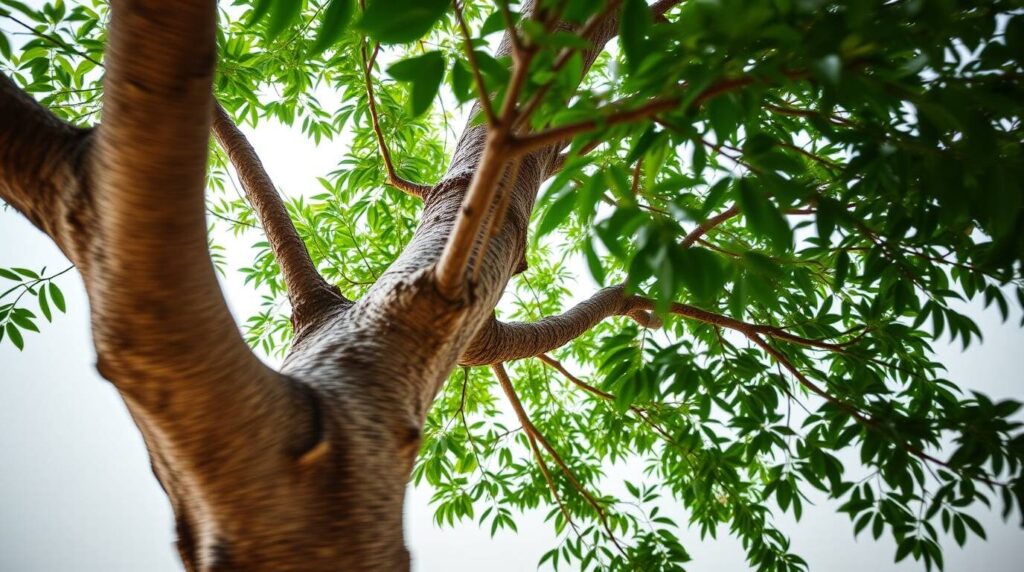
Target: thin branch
(394,179)
(531,429)
(586,33)
(703,228)
(614,114)
(478,79)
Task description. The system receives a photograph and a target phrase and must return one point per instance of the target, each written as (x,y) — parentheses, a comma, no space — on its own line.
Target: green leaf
(57,296)
(557,213)
(23,321)
(763,217)
(44,305)
(260,9)
(401,21)
(282,14)
(636,20)
(332,25)
(462,81)
(425,73)
(842,269)
(700,271)
(5,46)
(15,336)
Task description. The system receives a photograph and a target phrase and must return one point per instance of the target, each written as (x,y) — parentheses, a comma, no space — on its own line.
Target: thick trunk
(303,469)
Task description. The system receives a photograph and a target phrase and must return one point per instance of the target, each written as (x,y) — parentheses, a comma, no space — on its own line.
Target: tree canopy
(784,200)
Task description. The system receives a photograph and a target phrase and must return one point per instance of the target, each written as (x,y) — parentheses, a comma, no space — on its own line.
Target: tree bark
(302,469)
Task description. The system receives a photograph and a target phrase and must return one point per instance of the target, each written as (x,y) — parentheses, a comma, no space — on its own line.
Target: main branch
(308,291)
(38,155)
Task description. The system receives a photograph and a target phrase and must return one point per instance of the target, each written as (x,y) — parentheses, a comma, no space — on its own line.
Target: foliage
(862,160)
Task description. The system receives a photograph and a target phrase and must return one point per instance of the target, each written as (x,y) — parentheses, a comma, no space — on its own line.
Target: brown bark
(309,293)
(303,469)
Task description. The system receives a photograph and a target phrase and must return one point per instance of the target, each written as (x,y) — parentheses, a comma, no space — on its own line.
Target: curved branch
(394,180)
(501,341)
(309,293)
(533,433)
(162,329)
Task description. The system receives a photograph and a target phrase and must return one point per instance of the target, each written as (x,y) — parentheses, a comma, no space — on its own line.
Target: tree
(777,195)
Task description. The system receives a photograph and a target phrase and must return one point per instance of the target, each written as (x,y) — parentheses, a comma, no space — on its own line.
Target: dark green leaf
(401,21)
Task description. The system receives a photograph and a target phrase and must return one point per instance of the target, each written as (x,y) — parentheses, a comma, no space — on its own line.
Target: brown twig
(394,179)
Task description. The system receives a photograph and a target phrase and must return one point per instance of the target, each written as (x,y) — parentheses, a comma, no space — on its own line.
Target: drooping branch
(532,431)
(859,416)
(394,179)
(308,291)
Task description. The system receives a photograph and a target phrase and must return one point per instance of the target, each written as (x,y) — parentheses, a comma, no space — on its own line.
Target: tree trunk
(302,469)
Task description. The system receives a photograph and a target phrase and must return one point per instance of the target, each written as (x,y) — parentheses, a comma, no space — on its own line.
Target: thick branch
(163,332)
(500,341)
(38,152)
(308,291)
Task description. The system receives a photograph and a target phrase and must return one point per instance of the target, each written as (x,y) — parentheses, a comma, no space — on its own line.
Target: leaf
(842,269)
(594,262)
(5,46)
(260,9)
(57,296)
(425,73)
(636,20)
(23,321)
(557,213)
(700,271)
(336,17)
(401,21)
(762,216)
(462,81)
(282,14)
(44,305)
(15,336)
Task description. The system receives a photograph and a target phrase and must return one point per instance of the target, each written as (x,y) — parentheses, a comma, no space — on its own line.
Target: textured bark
(309,293)
(302,469)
